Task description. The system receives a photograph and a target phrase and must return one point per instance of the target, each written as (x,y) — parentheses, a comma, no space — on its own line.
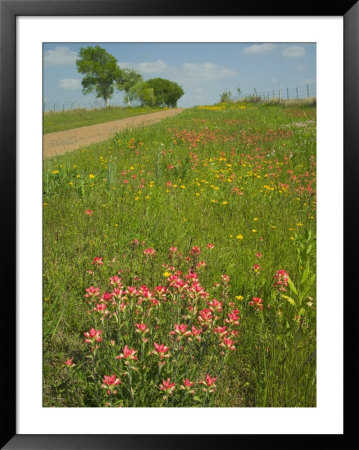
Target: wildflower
(109,383)
(210,246)
(257,303)
(128,353)
(142,328)
(200,265)
(97,261)
(69,363)
(239,297)
(215,305)
(92,175)
(259,255)
(93,336)
(195,251)
(115,281)
(167,386)
(228,344)
(161,349)
(180,330)
(92,291)
(233,317)
(196,333)
(187,384)
(101,308)
(205,316)
(209,383)
(282,279)
(221,331)
(166,274)
(225,279)
(256,268)
(239,236)
(149,252)
(89,212)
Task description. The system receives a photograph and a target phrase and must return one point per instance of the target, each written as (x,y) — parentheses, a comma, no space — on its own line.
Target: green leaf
(292,287)
(305,273)
(290,300)
(197,399)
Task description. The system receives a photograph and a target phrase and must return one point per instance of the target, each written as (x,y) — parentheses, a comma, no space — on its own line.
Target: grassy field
(180,262)
(67,120)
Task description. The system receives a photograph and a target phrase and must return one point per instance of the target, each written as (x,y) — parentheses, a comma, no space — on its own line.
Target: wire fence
(297,93)
(69,105)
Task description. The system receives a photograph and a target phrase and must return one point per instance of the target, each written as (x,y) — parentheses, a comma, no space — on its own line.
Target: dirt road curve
(68,140)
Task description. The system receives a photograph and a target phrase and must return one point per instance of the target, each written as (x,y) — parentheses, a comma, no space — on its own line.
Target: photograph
(179,225)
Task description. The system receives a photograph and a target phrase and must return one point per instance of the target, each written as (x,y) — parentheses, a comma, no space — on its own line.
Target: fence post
(297,92)
(279,95)
(307,91)
(287,94)
(273,93)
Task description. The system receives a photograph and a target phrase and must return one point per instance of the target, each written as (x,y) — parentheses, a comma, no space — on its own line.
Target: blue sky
(204,70)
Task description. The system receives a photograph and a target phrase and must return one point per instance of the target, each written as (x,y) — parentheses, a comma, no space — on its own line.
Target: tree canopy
(102,75)
(167,93)
(101,72)
(128,79)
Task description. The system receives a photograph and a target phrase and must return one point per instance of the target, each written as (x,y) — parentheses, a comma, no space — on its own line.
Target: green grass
(242,179)
(67,120)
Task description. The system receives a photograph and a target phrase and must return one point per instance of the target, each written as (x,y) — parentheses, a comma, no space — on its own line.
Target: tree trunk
(107,102)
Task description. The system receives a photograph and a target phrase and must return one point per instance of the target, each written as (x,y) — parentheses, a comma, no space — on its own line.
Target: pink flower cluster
(281,280)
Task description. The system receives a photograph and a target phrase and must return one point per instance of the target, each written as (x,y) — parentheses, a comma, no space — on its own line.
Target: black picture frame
(9,10)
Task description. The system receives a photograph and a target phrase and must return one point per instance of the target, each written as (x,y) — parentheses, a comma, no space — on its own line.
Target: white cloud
(152,67)
(185,73)
(293,52)
(70,84)
(259,48)
(206,72)
(146,67)
(60,56)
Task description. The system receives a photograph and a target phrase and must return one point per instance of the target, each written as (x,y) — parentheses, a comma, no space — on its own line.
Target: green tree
(142,92)
(167,92)
(101,72)
(128,79)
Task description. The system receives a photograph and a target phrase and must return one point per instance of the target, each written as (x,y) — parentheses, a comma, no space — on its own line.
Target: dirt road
(69,140)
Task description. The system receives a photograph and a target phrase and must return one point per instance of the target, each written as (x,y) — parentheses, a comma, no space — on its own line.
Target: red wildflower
(149,252)
(69,363)
(109,383)
(97,261)
(93,336)
(195,251)
(161,349)
(128,353)
(257,303)
(167,386)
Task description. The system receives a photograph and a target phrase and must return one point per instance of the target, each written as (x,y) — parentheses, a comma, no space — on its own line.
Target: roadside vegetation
(180,263)
(68,120)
